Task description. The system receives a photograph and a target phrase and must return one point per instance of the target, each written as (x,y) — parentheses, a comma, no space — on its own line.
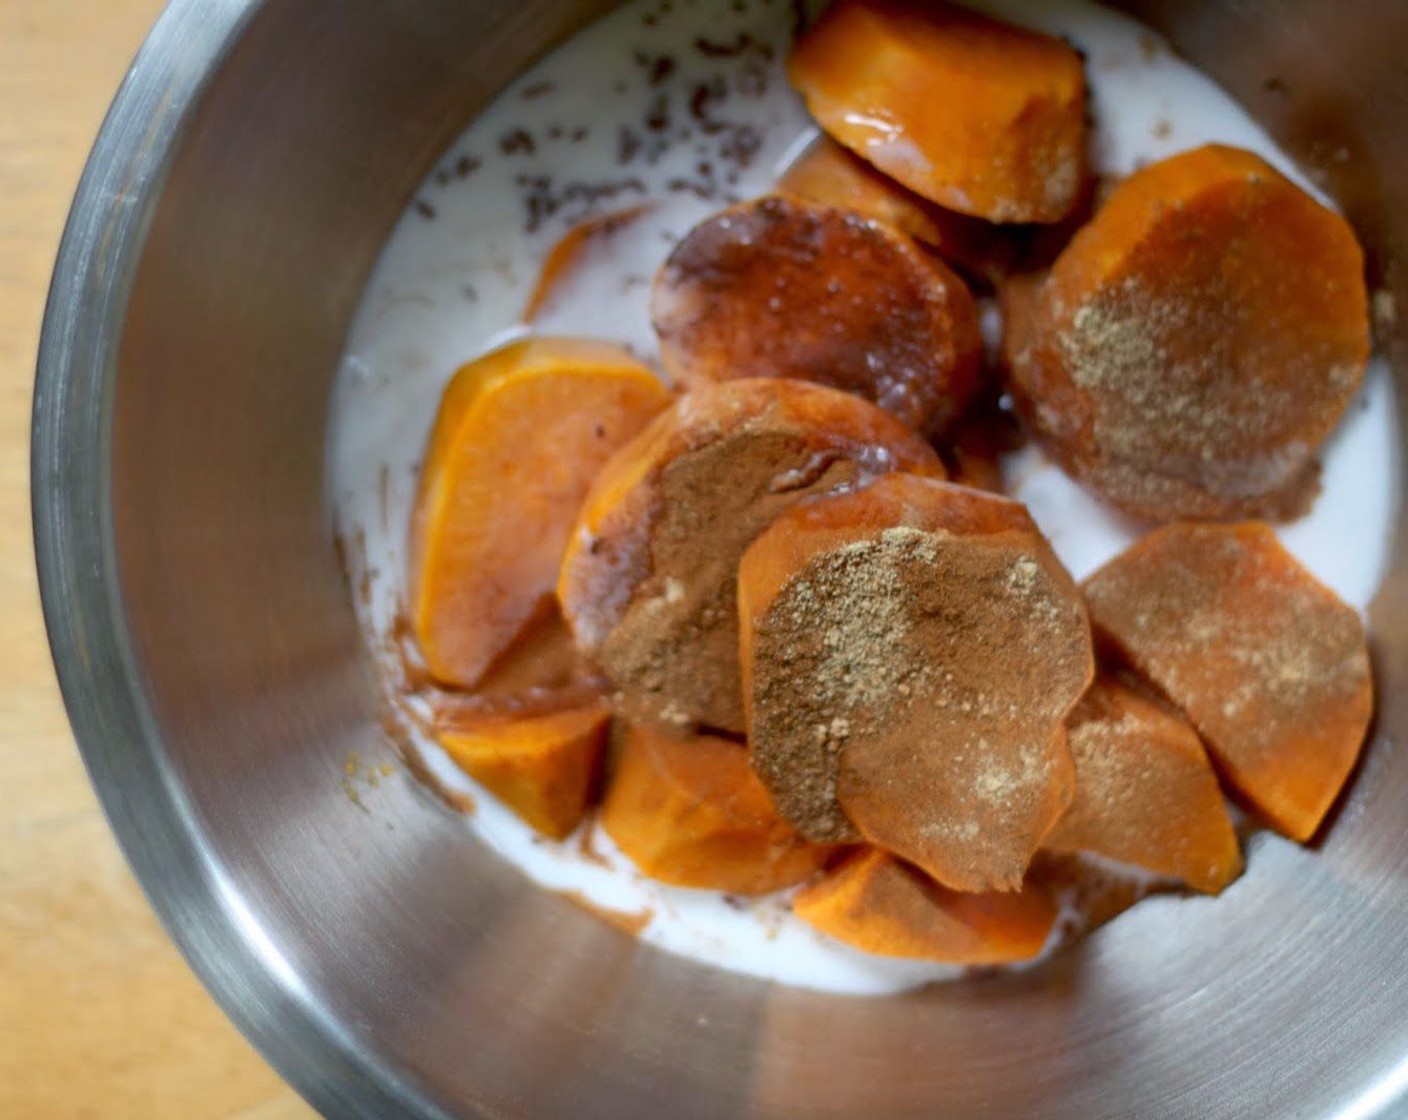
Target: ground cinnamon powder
(674,655)
(1270,666)
(664,591)
(910,686)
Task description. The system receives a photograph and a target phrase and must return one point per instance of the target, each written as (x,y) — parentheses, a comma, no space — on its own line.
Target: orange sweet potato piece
(884,906)
(542,764)
(909,655)
(831,175)
(976,115)
(520,434)
(1268,665)
(783,287)
(649,580)
(1145,792)
(1198,340)
(693,814)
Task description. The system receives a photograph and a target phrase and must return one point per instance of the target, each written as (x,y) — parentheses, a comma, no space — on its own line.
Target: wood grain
(99,1015)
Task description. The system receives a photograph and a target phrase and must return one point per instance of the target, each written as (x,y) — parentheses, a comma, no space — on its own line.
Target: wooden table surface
(99,1015)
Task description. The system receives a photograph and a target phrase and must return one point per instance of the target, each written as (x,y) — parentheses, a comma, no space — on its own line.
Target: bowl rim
(71,507)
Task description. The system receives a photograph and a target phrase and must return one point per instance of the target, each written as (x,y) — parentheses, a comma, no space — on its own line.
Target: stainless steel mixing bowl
(383,960)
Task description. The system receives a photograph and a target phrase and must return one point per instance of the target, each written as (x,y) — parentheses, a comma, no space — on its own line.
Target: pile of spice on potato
(777,624)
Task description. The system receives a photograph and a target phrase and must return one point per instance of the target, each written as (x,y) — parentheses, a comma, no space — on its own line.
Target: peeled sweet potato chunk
(1198,340)
(693,814)
(832,175)
(1145,792)
(976,115)
(909,654)
(884,906)
(542,764)
(649,580)
(1268,665)
(519,436)
(783,287)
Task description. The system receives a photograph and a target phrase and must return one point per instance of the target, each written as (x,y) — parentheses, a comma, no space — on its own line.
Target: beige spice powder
(949,662)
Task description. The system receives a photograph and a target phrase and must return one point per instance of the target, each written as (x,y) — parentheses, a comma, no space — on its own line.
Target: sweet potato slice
(1145,792)
(910,653)
(1268,665)
(1198,340)
(649,579)
(542,764)
(831,175)
(884,906)
(976,115)
(692,813)
(520,434)
(782,287)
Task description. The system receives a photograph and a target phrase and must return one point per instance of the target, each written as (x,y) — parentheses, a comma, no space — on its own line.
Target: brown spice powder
(654,597)
(1171,421)
(674,654)
(1267,664)
(838,630)
(914,683)
(1196,372)
(1146,794)
(784,287)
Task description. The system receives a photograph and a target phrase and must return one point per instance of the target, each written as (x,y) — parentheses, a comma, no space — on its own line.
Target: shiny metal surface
(387,965)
